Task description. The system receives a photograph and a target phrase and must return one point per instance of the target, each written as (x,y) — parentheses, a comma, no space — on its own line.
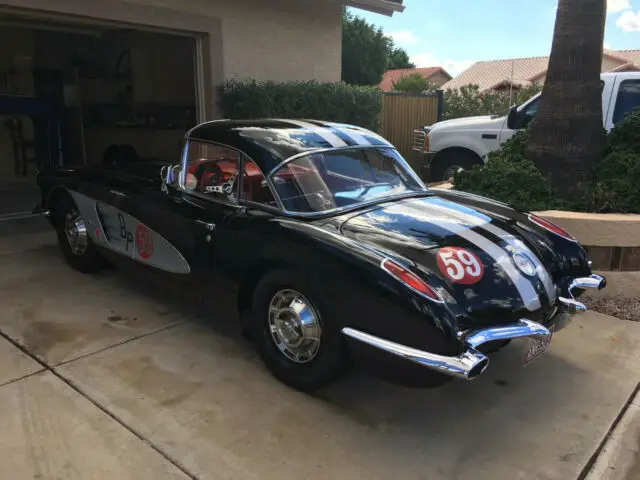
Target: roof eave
(383,7)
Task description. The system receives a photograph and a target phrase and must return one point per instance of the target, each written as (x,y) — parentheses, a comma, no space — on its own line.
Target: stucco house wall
(273,40)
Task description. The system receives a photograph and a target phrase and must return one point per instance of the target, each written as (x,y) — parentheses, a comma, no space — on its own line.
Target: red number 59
(460,265)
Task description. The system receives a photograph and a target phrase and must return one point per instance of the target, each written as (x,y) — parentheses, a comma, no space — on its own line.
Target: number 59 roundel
(460,265)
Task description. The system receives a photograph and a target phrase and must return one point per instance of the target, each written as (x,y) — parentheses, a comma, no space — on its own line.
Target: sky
(455,33)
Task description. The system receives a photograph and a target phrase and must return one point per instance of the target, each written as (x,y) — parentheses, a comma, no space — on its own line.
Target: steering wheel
(208,174)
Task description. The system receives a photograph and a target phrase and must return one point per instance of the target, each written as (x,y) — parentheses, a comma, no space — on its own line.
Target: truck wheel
(450,162)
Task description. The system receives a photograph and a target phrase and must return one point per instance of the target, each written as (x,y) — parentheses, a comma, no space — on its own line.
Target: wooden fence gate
(402,113)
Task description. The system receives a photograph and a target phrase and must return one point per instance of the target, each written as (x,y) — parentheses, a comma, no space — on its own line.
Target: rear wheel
(73,238)
(448,163)
(296,334)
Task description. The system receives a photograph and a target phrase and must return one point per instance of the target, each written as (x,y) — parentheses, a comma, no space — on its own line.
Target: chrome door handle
(117,193)
(207,225)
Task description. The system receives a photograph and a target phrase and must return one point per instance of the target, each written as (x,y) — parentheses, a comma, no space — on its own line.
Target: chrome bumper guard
(572,306)
(472,363)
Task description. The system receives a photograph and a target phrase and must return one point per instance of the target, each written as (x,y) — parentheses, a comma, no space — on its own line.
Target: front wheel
(297,336)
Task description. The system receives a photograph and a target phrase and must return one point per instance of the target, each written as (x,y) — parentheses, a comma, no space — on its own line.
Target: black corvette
(331,248)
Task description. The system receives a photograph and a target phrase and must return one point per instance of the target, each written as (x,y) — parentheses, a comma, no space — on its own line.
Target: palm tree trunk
(567,135)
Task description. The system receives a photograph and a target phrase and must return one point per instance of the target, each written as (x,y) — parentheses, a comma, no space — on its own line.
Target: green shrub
(469,101)
(626,134)
(337,101)
(509,178)
(413,83)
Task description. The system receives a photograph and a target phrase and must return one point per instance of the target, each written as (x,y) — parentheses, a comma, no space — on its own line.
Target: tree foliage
(469,101)
(413,83)
(399,58)
(367,53)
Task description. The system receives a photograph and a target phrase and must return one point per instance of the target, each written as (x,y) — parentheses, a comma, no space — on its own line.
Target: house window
(628,98)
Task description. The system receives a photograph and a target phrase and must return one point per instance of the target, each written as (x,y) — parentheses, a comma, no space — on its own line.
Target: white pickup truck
(460,143)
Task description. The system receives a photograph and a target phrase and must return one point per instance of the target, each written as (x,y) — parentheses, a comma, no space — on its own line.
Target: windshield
(323,181)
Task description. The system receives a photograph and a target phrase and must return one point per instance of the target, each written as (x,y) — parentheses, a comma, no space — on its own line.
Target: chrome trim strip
(467,365)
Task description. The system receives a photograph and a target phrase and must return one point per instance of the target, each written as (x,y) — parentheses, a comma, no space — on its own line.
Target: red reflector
(412,281)
(551,227)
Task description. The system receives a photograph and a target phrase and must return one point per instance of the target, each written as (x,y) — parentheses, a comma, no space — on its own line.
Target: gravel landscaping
(620,307)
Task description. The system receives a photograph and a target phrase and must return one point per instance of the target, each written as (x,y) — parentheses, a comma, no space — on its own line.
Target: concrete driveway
(102,378)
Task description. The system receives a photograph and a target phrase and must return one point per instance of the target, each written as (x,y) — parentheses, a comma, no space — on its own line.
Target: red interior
(254,187)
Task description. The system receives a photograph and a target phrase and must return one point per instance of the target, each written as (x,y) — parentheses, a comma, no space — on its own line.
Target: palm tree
(567,136)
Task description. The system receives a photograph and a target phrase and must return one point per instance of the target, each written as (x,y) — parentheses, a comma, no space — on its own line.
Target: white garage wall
(273,40)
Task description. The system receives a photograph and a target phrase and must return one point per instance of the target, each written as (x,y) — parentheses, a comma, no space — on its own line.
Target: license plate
(535,348)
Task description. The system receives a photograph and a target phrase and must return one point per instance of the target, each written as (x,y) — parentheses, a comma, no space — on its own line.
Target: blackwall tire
(321,364)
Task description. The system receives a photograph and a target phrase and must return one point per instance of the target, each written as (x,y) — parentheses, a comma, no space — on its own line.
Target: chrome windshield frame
(410,171)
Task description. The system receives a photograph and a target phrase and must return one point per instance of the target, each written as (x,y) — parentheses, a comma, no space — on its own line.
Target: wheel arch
(252,277)
(53,200)
(449,151)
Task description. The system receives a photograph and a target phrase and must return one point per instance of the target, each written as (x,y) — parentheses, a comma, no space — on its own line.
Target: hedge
(336,102)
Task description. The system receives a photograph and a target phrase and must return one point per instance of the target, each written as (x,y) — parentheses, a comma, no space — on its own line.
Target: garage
(74,93)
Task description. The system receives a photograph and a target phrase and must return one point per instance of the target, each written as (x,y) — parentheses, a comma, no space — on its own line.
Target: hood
(469,255)
(478,121)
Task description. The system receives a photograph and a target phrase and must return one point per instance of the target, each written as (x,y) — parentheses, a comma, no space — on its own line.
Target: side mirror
(512,118)
(169,174)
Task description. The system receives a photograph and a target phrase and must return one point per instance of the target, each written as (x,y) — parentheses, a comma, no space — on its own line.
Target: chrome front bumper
(472,363)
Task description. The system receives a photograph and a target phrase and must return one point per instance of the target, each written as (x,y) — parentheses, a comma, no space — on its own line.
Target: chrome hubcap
(76,232)
(295,326)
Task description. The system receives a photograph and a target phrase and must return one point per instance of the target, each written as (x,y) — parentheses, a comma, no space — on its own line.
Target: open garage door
(78,94)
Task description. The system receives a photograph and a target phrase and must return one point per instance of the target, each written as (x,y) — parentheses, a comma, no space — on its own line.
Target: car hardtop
(270,142)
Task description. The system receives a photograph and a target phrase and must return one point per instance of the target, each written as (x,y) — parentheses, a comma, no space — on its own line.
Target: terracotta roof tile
(488,74)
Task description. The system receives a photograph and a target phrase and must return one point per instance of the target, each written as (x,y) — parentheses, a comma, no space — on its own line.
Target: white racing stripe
(326,133)
(448,222)
(349,132)
(512,240)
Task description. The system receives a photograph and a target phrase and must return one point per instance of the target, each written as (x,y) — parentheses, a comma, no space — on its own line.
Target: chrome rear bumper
(472,363)
(468,364)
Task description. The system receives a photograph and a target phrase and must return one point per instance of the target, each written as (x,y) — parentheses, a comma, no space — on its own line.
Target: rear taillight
(410,280)
(551,227)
